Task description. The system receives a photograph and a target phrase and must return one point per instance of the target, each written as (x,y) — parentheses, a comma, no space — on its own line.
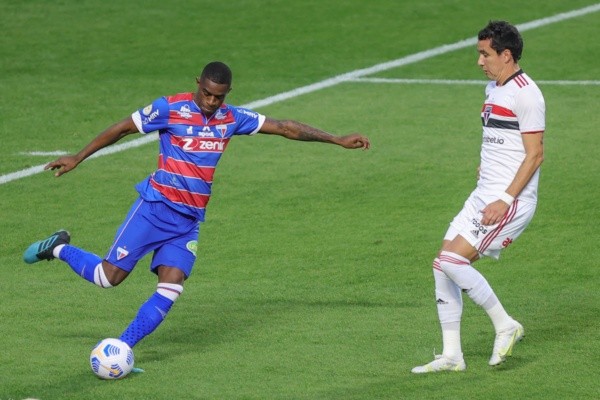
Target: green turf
(314,273)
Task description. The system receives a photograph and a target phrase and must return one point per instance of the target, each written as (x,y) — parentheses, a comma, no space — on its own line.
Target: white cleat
(440,363)
(504,343)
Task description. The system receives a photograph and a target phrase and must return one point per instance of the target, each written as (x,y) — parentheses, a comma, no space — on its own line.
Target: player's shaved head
(217,72)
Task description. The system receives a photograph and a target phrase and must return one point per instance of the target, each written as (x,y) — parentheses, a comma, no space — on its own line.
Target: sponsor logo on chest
(207,132)
(198,144)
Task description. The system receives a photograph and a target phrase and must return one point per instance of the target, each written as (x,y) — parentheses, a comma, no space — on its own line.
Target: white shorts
(489,240)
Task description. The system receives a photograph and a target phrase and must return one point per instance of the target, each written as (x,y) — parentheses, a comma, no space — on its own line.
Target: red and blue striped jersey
(190,146)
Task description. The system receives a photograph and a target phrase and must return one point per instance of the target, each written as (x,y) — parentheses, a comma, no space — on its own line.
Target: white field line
(44,153)
(349,76)
(466,81)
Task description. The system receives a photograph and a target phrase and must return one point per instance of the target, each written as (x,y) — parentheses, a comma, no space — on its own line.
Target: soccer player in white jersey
(503,203)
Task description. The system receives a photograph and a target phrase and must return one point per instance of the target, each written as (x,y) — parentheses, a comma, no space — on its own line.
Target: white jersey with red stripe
(190,148)
(511,110)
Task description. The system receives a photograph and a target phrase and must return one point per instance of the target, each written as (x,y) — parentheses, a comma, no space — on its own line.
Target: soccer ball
(111,359)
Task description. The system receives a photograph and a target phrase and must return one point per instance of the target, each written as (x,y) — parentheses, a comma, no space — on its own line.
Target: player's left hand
(494,212)
(63,164)
(355,141)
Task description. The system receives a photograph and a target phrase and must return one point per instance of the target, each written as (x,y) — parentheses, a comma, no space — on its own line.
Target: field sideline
(347,77)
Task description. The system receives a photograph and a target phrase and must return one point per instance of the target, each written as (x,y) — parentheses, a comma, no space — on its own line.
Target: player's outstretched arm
(109,136)
(298,131)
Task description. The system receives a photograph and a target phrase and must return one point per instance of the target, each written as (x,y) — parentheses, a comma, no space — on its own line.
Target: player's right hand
(355,141)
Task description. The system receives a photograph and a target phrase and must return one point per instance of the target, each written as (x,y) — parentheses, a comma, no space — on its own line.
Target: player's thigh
(179,252)
(464,220)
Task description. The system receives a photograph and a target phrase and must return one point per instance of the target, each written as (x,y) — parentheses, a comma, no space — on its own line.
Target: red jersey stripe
(188,169)
(521,81)
(498,110)
(176,118)
(180,97)
(530,133)
(180,196)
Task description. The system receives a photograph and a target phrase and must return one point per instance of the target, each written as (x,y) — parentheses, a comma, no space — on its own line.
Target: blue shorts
(154,226)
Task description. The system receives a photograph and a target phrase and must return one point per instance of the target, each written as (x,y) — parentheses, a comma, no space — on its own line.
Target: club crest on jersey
(121,253)
(147,110)
(487,111)
(222,129)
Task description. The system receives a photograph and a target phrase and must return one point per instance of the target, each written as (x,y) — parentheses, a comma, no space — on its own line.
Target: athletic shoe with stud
(440,363)
(504,343)
(42,249)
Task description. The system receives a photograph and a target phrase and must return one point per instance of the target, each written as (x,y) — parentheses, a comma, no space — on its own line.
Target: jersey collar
(513,76)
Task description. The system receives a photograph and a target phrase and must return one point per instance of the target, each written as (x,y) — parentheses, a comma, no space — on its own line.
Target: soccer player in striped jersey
(502,204)
(194,131)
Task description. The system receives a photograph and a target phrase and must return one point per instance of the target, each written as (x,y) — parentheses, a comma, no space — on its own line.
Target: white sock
(170,290)
(449,306)
(459,269)
(497,314)
(56,250)
(470,280)
(100,278)
(451,341)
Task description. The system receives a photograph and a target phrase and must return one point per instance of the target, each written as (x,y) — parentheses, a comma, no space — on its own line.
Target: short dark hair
(217,72)
(504,36)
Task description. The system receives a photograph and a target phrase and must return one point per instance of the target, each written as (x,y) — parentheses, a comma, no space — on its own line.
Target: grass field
(313,279)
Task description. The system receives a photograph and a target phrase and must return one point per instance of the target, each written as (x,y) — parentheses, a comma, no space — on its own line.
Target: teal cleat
(42,249)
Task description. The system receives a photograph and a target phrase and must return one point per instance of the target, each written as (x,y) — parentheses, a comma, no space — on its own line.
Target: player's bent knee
(168,274)
(114,274)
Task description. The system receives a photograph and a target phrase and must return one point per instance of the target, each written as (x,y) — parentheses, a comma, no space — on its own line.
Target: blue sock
(150,315)
(80,261)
